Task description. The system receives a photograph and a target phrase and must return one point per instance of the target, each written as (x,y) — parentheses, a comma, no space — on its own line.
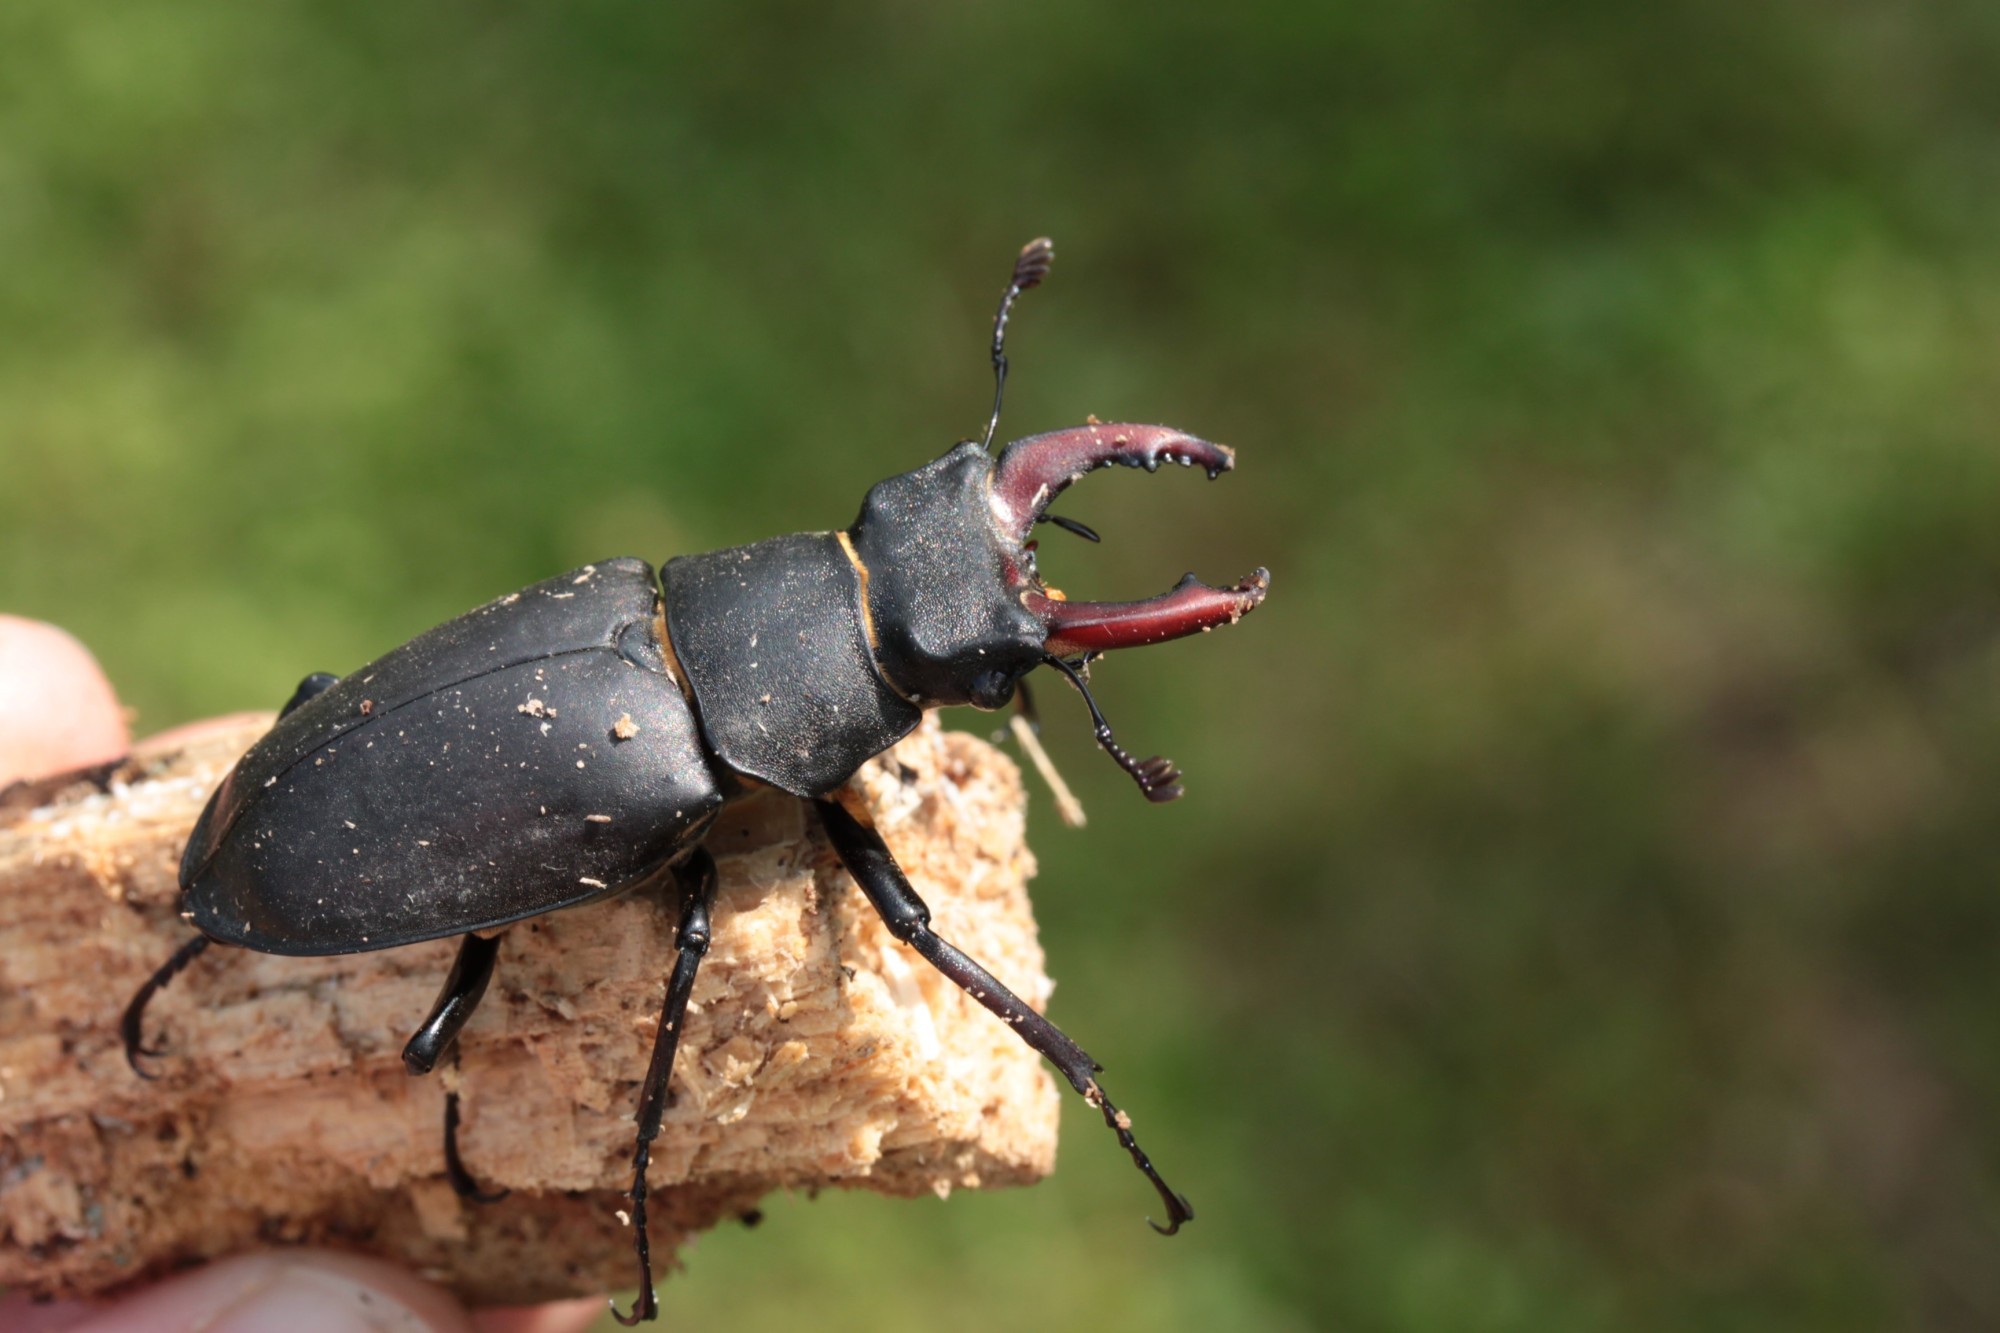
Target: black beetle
(461,783)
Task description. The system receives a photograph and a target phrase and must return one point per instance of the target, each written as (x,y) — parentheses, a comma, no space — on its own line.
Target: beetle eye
(992,690)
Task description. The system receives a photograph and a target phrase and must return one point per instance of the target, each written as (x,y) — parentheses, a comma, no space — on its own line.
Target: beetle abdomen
(522,758)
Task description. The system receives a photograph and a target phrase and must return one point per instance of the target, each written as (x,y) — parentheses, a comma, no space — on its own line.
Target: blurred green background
(1582,914)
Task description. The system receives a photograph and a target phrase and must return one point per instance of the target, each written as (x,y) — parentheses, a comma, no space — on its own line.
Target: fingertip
(20,1313)
(297,1291)
(57,710)
(555,1317)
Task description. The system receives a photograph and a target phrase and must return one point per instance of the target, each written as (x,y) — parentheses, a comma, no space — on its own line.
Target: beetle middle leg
(696,878)
(462,1182)
(464,986)
(868,859)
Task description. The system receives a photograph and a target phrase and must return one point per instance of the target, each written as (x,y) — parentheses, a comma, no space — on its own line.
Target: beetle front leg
(868,859)
(697,878)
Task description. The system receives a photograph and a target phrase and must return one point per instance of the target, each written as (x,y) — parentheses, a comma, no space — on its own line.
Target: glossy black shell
(773,639)
(528,756)
(937,596)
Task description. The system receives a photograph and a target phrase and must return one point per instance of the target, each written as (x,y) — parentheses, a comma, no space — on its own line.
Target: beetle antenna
(1030,267)
(1157,777)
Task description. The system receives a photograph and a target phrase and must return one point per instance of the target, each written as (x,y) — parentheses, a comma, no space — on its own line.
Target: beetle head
(958,612)
(945,625)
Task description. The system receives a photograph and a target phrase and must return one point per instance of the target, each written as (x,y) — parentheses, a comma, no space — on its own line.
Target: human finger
(57,711)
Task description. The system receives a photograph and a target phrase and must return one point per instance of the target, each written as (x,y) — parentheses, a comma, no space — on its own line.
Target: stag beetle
(460,783)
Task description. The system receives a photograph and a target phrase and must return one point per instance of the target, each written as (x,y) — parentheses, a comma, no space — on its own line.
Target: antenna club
(1036,259)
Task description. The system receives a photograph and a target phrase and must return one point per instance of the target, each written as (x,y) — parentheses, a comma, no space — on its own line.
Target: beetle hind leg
(868,859)
(131,1027)
(696,878)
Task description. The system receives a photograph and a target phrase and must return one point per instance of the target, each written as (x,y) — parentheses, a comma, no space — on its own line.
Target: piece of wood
(818,1051)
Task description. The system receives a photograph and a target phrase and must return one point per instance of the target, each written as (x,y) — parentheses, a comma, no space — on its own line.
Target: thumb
(295,1291)
(56,709)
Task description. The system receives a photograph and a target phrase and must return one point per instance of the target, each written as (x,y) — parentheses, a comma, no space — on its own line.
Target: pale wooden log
(818,1052)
